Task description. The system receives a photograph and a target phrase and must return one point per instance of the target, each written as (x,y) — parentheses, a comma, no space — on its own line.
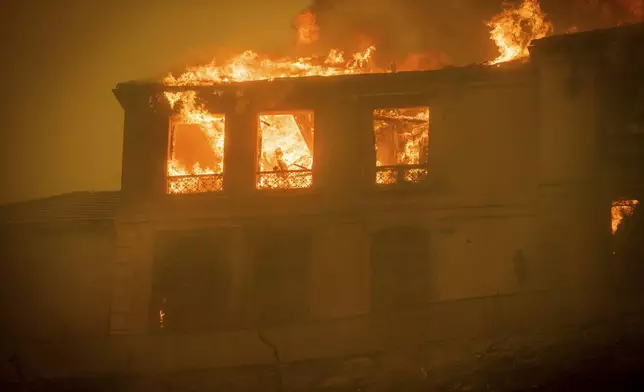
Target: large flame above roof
(512,30)
(516,27)
(253,66)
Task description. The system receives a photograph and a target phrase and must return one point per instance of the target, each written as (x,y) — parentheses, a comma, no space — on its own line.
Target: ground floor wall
(470,252)
(484,278)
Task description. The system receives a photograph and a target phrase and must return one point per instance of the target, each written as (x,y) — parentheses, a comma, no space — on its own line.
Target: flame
(516,27)
(212,126)
(284,149)
(253,66)
(402,137)
(283,132)
(411,134)
(512,31)
(620,210)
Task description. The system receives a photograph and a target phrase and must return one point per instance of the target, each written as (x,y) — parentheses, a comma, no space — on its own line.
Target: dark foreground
(582,359)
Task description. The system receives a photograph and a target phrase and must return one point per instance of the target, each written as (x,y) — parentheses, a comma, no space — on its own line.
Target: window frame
(258,137)
(400,169)
(219,178)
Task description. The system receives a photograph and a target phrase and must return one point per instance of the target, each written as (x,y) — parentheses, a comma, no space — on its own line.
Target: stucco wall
(478,211)
(485,157)
(485,143)
(573,205)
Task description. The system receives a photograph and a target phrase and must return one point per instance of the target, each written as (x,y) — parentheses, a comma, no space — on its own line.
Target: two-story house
(351,214)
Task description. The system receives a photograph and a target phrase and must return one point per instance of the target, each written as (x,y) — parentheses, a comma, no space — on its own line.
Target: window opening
(196,154)
(285,150)
(401,144)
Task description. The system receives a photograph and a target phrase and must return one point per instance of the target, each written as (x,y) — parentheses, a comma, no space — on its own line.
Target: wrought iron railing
(195,184)
(401,174)
(292,179)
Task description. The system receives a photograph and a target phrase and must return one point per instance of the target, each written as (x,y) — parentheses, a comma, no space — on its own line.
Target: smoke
(452,31)
(440,31)
(581,15)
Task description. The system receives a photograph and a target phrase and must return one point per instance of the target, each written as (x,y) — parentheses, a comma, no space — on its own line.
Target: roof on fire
(471,72)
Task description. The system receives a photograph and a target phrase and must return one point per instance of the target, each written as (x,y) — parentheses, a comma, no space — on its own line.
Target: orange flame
(281,131)
(286,150)
(512,31)
(401,139)
(253,66)
(212,127)
(619,210)
(516,27)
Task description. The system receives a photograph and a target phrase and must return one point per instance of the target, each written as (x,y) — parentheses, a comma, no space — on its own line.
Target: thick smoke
(581,15)
(445,31)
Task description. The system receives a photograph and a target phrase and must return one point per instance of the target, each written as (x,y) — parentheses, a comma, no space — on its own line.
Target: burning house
(454,171)
(346,212)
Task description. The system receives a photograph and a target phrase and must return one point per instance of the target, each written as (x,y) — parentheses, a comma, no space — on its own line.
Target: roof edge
(480,68)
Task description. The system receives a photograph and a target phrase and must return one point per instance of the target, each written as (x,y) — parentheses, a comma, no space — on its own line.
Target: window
(402,141)
(621,210)
(285,150)
(399,267)
(281,260)
(196,154)
(623,226)
(191,282)
(627,246)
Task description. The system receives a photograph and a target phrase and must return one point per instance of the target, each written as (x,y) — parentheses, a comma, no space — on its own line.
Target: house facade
(364,245)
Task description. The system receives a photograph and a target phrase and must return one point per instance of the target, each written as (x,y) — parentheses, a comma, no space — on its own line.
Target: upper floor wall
(591,94)
(473,132)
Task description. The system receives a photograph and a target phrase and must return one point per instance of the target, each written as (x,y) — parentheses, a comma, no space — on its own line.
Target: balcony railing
(195,184)
(293,179)
(401,174)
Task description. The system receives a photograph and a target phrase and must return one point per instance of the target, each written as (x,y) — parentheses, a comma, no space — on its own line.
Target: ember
(162,314)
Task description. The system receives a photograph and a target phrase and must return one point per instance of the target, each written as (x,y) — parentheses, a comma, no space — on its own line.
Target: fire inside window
(285,150)
(402,141)
(620,211)
(196,155)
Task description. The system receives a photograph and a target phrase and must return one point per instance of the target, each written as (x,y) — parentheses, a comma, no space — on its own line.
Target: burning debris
(401,144)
